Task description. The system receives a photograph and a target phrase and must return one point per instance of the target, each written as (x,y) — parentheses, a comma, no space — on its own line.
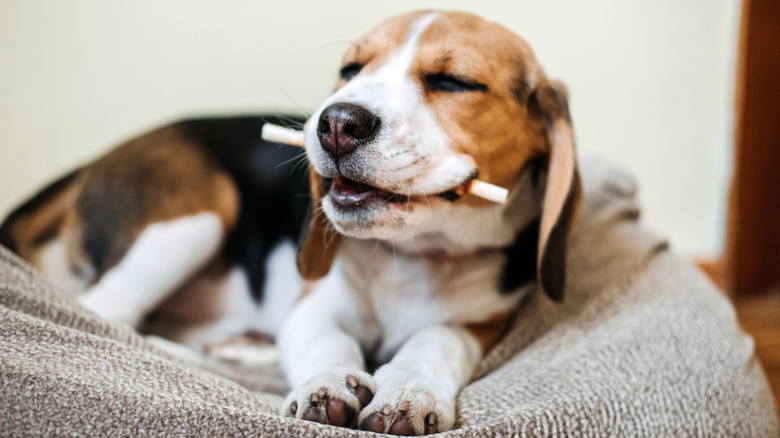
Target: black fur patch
(102,207)
(520,267)
(304,234)
(549,103)
(273,184)
(327,183)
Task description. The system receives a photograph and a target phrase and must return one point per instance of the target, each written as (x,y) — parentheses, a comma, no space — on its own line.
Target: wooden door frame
(750,262)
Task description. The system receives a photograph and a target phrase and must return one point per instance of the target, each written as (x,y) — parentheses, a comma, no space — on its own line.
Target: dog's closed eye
(350,70)
(453,83)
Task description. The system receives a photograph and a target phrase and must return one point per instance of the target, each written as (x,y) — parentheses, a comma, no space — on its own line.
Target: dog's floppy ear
(549,103)
(319,241)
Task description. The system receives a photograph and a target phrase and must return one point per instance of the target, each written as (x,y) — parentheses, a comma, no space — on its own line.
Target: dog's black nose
(344,126)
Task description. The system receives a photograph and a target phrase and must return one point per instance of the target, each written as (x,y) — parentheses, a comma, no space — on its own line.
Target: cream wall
(650,81)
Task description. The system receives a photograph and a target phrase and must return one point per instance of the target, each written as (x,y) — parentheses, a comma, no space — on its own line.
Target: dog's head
(426,102)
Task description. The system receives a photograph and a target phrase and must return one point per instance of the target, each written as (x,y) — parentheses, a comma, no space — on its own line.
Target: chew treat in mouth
(280,134)
(353,192)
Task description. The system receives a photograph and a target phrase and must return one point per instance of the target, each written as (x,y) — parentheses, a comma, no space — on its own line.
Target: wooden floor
(760,316)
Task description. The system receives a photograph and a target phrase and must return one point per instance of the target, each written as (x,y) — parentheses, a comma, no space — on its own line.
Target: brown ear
(563,192)
(319,241)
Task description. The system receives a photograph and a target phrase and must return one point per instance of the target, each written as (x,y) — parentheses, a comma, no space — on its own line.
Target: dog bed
(642,345)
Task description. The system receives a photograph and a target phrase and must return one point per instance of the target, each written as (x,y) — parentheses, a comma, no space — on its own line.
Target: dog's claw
(293,409)
(363,394)
(430,423)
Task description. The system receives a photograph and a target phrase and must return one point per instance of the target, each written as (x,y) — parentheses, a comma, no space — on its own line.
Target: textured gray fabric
(643,345)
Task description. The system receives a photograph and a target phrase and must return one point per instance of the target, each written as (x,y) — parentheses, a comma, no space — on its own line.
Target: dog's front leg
(417,388)
(324,363)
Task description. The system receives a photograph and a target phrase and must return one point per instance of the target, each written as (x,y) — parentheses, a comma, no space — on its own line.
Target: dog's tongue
(347,192)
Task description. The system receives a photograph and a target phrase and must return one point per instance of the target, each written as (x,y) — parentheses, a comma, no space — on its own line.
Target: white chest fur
(405,294)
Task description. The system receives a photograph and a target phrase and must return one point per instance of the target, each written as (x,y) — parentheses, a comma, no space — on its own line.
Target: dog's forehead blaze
(373,50)
(488,126)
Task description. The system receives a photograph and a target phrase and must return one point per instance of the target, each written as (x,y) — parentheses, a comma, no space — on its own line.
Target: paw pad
(327,410)
(398,422)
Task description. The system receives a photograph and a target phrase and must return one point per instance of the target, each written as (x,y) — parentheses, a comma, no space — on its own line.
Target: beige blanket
(643,345)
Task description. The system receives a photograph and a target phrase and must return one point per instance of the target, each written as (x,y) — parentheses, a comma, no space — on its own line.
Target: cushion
(642,345)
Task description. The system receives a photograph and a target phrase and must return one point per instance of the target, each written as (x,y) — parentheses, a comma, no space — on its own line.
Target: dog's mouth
(347,193)
(353,194)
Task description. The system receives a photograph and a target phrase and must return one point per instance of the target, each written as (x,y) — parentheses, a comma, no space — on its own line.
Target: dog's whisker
(288,121)
(395,258)
(427,201)
(297,159)
(330,235)
(345,42)
(301,163)
(293,101)
(373,251)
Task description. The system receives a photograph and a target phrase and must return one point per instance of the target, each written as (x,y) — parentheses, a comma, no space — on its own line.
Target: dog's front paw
(408,406)
(334,398)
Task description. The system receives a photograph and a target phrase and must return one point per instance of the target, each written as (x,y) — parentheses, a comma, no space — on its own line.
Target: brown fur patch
(35,228)
(158,177)
(519,116)
(490,126)
(320,243)
(489,331)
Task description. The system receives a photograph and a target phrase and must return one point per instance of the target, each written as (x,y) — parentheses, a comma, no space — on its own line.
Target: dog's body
(424,282)
(177,230)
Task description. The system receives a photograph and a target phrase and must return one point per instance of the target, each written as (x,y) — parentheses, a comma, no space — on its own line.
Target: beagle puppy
(407,285)
(411,278)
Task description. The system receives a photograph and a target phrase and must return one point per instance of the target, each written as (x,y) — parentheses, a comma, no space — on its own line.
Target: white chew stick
(481,189)
(488,191)
(280,134)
